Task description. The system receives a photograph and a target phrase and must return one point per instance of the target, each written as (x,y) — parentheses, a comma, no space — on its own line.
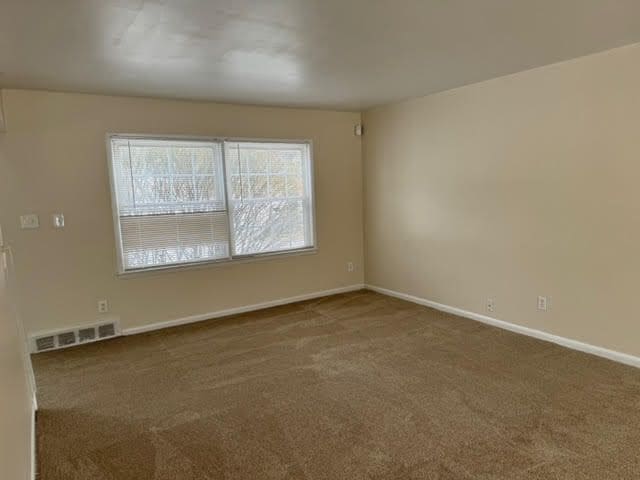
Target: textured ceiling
(344,54)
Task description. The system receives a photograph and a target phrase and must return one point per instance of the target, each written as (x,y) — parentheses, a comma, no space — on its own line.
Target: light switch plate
(29,221)
(58,220)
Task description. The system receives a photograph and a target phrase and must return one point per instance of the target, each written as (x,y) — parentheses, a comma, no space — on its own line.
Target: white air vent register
(69,337)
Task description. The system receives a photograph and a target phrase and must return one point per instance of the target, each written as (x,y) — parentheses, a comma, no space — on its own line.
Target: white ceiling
(344,54)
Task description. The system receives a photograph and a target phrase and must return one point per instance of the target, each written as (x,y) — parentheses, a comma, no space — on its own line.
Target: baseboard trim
(236,310)
(539,334)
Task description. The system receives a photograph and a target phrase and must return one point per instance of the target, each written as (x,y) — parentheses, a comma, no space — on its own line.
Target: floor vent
(74,336)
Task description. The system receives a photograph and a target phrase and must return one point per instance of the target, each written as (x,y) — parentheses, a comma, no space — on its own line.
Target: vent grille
(66,338)
(107,330)
(45,343)
(86,334)
(73,336)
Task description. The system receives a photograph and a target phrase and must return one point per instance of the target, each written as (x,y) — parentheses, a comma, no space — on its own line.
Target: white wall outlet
(543,303)
(491,305)
(350,267)
(103,306)
(29,221)
(58,220)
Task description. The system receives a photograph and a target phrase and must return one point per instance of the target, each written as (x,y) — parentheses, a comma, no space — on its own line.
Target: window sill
(143,272)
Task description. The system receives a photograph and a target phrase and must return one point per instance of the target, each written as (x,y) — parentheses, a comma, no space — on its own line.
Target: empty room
(319,239)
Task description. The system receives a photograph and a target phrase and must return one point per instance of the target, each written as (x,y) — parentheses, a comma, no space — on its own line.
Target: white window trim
(237,259)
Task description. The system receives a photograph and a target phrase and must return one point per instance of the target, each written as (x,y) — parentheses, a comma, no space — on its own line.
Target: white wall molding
(236,310)
(539,334)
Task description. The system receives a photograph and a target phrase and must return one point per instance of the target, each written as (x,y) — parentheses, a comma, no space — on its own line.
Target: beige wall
(16,406)
(56,145)
(521,186)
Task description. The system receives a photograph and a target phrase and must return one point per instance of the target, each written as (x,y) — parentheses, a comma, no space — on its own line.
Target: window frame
(232,259)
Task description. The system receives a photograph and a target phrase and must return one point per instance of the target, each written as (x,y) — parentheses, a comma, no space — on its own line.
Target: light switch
(29,221)
(58,220)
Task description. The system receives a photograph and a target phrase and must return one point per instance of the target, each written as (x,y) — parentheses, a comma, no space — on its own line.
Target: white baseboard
(539,334)
(236,310)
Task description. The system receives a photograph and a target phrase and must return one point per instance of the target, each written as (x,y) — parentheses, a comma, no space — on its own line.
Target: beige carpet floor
(354,386)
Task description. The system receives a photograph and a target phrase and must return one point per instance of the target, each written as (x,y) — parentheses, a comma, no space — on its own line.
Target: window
(180,202)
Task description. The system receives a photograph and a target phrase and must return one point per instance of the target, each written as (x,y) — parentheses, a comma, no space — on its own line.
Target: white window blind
(170,200)
(174,206)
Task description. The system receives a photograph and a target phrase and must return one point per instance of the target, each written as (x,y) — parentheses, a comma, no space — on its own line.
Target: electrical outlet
(543,303)
(491,306)
(350,267)
(103,306)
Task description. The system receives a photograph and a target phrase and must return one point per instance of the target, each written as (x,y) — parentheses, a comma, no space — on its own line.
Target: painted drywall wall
(16,386)
(55,142)
(521,186)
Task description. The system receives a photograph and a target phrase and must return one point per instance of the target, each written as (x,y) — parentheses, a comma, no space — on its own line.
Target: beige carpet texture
(353,386)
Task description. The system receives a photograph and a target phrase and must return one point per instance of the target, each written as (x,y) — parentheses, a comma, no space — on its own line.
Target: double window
(179,201)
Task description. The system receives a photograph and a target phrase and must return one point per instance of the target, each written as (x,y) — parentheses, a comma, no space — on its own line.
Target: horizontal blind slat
(166,239)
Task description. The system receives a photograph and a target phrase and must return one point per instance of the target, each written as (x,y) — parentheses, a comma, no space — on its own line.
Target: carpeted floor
(353,386)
